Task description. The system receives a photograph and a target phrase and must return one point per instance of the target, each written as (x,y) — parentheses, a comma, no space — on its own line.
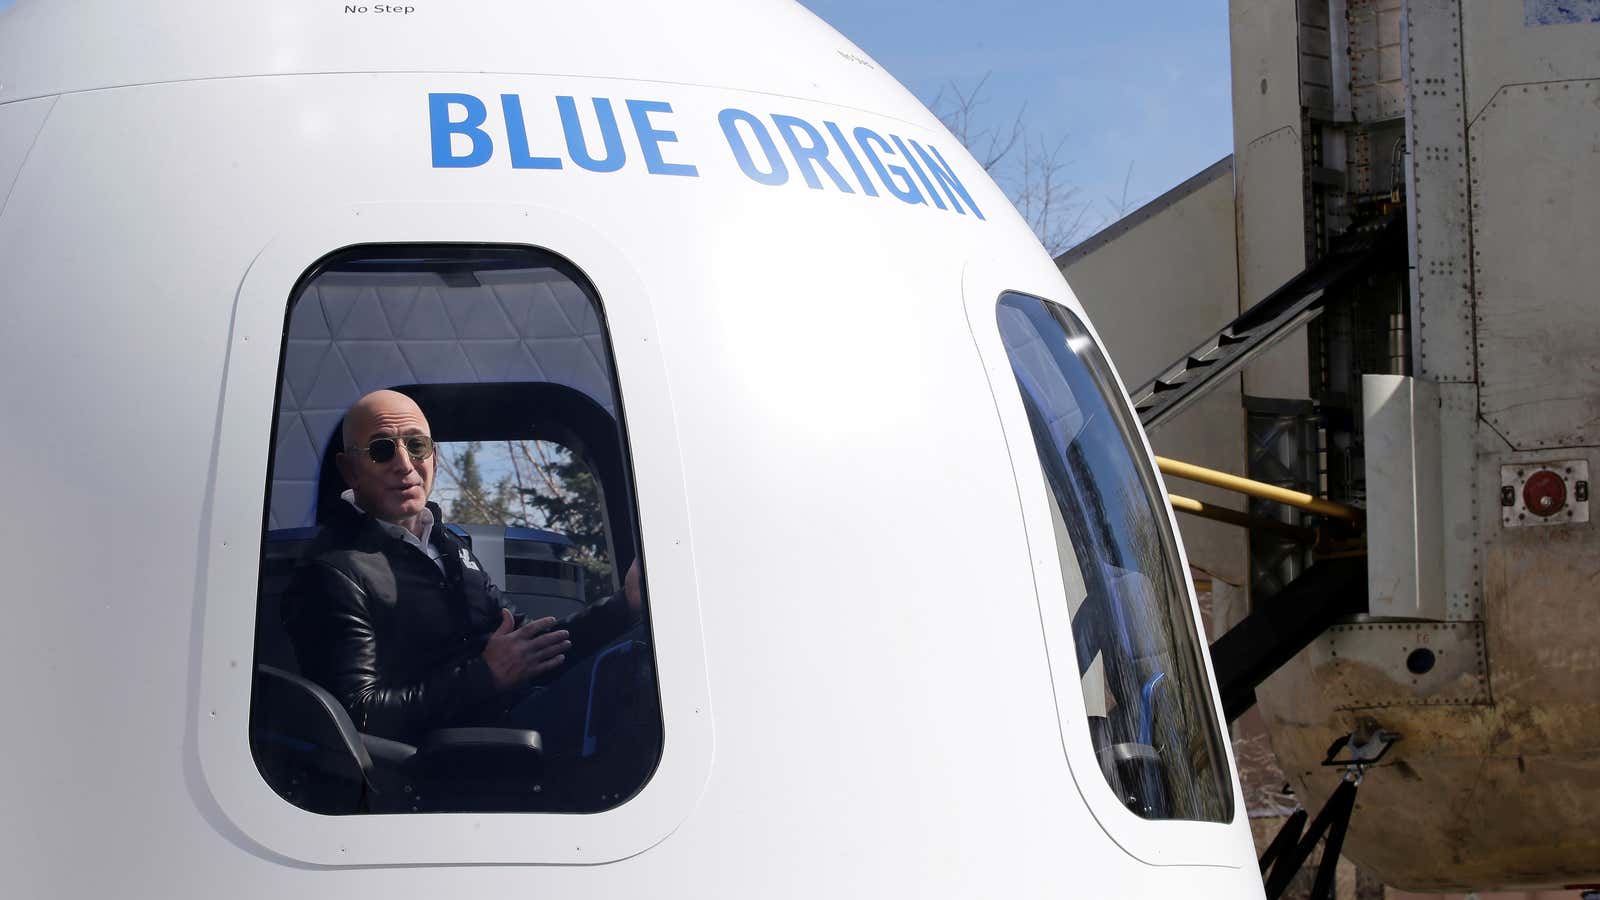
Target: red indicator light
(1545,494)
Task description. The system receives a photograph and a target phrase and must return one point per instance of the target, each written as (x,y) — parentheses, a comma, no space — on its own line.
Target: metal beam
(1283,625)
(1278,315)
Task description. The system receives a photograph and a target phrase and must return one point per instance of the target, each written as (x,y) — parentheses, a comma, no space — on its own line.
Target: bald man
(392,614)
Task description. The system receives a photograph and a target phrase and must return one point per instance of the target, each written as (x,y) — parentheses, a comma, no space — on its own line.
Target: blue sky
(1145,83)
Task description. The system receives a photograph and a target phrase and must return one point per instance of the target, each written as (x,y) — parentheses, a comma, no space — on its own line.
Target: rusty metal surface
(1365,666)
(1478,795)
(1497,782)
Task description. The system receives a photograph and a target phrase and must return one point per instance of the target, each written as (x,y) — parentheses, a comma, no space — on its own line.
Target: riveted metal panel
(1371,665)
(1377,158)
(1458,478)
(1269,175)
(1438,213)
(1316,58)
(1503,44)
(1339,57)
(1376,66)
(1536,189)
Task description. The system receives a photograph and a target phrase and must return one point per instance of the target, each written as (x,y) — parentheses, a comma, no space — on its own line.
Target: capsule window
(1145,689)
(452,613)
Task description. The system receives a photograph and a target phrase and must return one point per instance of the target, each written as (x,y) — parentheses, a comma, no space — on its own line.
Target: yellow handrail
(1234,517)
(1252,488)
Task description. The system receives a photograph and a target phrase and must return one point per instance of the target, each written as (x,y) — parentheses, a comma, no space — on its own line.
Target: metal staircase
(1277,316)
(1279,626)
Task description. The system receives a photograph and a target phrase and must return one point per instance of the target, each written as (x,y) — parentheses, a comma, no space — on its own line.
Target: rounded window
(452,612)
(1144,683)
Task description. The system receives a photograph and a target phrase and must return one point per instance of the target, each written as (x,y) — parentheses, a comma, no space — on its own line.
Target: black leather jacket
(376,623)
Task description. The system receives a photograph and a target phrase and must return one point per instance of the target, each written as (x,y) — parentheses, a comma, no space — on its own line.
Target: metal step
(1279,315)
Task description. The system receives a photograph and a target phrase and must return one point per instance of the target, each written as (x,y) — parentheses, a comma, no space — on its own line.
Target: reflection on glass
(535,485)
(1150,714)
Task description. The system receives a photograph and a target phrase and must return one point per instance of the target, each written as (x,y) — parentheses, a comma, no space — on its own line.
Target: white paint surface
(800,381)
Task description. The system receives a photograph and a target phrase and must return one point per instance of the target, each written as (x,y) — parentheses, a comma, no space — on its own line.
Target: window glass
(1144,683)
(546,493)
(452,612)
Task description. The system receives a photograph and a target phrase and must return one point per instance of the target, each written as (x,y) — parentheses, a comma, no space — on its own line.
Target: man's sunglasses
(418,446)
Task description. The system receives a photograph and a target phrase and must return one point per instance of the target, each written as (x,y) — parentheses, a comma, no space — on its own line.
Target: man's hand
(631,588)
(518,655)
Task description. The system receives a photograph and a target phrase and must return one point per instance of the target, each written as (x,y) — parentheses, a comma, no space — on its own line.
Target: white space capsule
(727,300)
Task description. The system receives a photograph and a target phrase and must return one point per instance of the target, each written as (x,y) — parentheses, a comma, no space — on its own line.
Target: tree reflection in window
(1151,716)
(530,484)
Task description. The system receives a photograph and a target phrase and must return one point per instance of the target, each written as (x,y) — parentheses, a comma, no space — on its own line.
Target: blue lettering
(441,128)
(850,157)
(577,145)
(947,179)
(651,138)
(921,176)
(729,119)
(914,173)
(903,188)
(517,137)
(809,157)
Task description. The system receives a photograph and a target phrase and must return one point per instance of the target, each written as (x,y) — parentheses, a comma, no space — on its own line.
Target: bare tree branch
(474,498)
(958,110)
(1034,178)
(1047,200)
(1119,208)
(540,465)
(522,497)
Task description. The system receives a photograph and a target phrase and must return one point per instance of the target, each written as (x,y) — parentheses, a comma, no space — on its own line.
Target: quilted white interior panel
(355,332)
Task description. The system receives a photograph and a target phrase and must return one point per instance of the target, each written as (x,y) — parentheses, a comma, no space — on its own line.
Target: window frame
(235,525)
(1152,841)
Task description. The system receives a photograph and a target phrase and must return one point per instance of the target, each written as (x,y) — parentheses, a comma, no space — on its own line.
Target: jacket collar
(363,530)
